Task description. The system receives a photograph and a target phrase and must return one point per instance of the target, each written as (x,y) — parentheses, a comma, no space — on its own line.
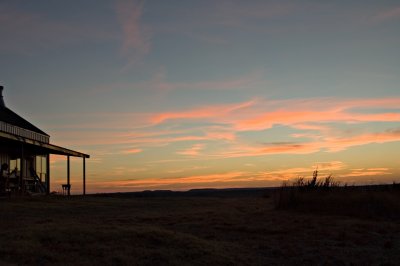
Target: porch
(25,162)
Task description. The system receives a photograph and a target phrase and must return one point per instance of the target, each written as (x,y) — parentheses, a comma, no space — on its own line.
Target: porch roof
(41,146)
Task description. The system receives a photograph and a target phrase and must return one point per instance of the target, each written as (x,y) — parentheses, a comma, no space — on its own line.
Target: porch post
(22,170)
(68,176)
(48,174)
(84,175)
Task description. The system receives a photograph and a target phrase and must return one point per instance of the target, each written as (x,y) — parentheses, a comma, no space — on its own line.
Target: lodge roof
(9,117)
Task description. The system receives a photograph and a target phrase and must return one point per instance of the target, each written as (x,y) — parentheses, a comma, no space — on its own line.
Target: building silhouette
(25,156)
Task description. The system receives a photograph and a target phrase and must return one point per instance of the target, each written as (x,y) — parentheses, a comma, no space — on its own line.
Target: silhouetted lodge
(25,156)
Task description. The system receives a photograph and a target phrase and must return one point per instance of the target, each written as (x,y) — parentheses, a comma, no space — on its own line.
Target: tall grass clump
(326,196)
(290,195)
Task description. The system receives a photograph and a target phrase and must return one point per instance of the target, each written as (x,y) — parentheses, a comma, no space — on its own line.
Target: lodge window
(15,164)
(41,167)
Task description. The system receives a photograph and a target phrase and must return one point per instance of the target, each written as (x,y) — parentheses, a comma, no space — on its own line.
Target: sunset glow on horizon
(208,94)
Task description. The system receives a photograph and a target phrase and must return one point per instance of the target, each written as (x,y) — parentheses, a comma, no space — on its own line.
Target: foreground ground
(187,231)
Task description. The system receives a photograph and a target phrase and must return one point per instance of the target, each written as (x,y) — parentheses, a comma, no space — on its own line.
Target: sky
(208,94)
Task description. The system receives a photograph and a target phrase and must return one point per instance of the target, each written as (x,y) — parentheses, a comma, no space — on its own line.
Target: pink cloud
(389,14)
(135,37)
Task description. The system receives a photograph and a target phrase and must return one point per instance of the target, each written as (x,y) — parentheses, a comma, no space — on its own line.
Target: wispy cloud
(192,151)
(186,180)
(209,112)
(388,14)
(209,178)
(132,151)
(324,169)
(364,172)
(135,36)
(25,32)
(160,83)
(342,143)
(333,165)
(237,13)
(317,124)
(246,150)
(324,143)
(221,179)
(227,15)
(259,115)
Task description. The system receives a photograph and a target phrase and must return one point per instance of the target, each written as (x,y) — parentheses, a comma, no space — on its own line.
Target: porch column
(22,170)
(68,176)
(84,176)
(48,174)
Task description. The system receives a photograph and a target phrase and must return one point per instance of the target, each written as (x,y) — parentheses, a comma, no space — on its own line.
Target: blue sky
(186,94)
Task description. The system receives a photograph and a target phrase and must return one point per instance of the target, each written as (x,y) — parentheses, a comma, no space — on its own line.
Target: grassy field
(245,230)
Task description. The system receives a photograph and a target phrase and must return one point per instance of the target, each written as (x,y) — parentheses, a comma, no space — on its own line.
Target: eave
(45,147)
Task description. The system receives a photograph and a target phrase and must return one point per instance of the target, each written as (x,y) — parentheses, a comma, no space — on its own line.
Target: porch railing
(22,132)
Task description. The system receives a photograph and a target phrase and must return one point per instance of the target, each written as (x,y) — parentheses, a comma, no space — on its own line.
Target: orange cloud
(338,144)
(221,135)
(294,118)
(132,151)
(259,115)
(311,126)
(202,112)
(334,165)
(234,178)
(227,179)
(159,182)
(315,120)
(330,144)
(368,172)
(240,150)
(192,151)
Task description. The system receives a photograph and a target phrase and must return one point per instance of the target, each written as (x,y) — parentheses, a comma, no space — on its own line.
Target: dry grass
(186,231)
(351,202)
(327,197)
